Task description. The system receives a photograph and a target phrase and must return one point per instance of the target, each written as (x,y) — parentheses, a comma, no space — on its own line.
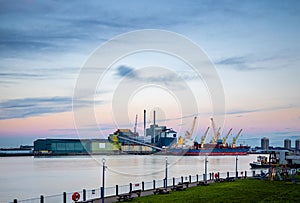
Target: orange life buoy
(75,196)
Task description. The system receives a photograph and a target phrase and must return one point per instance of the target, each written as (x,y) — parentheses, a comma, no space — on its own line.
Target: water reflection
(27,177)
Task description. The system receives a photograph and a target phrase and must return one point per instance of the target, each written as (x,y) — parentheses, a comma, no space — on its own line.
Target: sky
(253,45)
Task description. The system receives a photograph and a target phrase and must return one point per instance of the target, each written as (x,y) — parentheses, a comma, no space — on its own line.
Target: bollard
(253,173)
(173,181)
(245,174)
(209,176)
(218,175)
(212,176)
(130,187)
(190,178)
(197,177)
(101,192)
(42,199)
(84,194)
(236,174)
(153,184)
(181,179)
(227,174)
(64,197)
(15,201)
(143,186)
(203,176)
(117,190)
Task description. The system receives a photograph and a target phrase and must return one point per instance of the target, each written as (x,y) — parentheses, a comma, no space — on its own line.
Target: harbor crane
(216,133)
(226,137)
(235,138)
(189,134)
(203,138)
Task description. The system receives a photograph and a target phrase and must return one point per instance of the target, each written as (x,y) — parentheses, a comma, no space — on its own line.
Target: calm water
(28,177)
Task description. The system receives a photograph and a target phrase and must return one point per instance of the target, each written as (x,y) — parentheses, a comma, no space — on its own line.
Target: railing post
(130,187)
(84,194)
(64,197)
(153,184)
(143,186)
(15,201)
(42,199)
(117,190)
(173,181)
(190,178)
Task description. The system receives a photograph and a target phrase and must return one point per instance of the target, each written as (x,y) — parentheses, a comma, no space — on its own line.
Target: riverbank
(243,190)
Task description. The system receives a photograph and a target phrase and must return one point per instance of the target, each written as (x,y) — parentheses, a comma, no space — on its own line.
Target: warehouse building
(73,146)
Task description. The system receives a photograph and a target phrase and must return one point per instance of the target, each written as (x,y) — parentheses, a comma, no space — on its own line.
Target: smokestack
(144,125)
(154,126)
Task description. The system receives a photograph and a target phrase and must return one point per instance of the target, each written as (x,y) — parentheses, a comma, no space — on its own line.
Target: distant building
(161,135)
(72,146)
(297,145)
(287,144)
(265,143)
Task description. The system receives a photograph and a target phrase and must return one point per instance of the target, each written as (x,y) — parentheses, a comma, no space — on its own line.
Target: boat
(261,162)
(210,150)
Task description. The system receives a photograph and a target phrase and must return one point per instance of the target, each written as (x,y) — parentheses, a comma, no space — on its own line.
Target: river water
(29,177)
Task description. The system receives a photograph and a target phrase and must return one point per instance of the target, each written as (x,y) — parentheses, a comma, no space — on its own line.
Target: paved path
(144,193)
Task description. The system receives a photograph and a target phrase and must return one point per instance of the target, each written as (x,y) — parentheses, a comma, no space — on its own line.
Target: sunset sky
(254,46)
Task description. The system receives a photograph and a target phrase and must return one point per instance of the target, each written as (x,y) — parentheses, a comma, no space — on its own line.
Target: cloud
(232,61)
(126,71)
(14,75)
(30,107)
(233,112)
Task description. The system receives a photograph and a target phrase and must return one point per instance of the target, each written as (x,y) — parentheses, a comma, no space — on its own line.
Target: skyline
(253,45)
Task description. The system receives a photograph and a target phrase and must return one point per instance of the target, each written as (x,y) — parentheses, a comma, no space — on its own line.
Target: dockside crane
(235,138)
(189,134)
(203,138)
(216,133)
(226,137)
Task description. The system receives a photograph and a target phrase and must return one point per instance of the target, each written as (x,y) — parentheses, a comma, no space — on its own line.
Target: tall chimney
(154,126)
(144,125)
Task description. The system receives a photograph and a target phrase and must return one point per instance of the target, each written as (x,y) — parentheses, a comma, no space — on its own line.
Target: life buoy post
(75,196)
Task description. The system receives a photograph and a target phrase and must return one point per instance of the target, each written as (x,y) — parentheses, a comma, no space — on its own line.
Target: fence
(122,189)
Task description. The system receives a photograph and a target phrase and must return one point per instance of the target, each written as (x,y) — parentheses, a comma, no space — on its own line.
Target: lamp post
(205,169)
(166,173)
(236,167)
(103,178)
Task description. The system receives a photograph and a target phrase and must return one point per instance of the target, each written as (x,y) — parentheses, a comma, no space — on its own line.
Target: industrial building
(161,135)
(73,146)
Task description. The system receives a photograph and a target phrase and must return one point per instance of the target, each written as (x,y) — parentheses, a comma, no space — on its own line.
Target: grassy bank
(248,190)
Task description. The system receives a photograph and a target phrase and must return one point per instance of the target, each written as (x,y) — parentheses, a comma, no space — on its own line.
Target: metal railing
(122,189)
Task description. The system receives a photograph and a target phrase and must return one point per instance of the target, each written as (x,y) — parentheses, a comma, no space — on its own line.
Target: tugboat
(262,162)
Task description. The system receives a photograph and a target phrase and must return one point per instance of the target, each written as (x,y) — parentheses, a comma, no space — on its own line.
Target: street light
(103,178)
(236,167)
(166,173)
(205,169)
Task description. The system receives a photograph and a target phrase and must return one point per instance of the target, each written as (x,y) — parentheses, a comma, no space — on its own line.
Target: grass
(247,190)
